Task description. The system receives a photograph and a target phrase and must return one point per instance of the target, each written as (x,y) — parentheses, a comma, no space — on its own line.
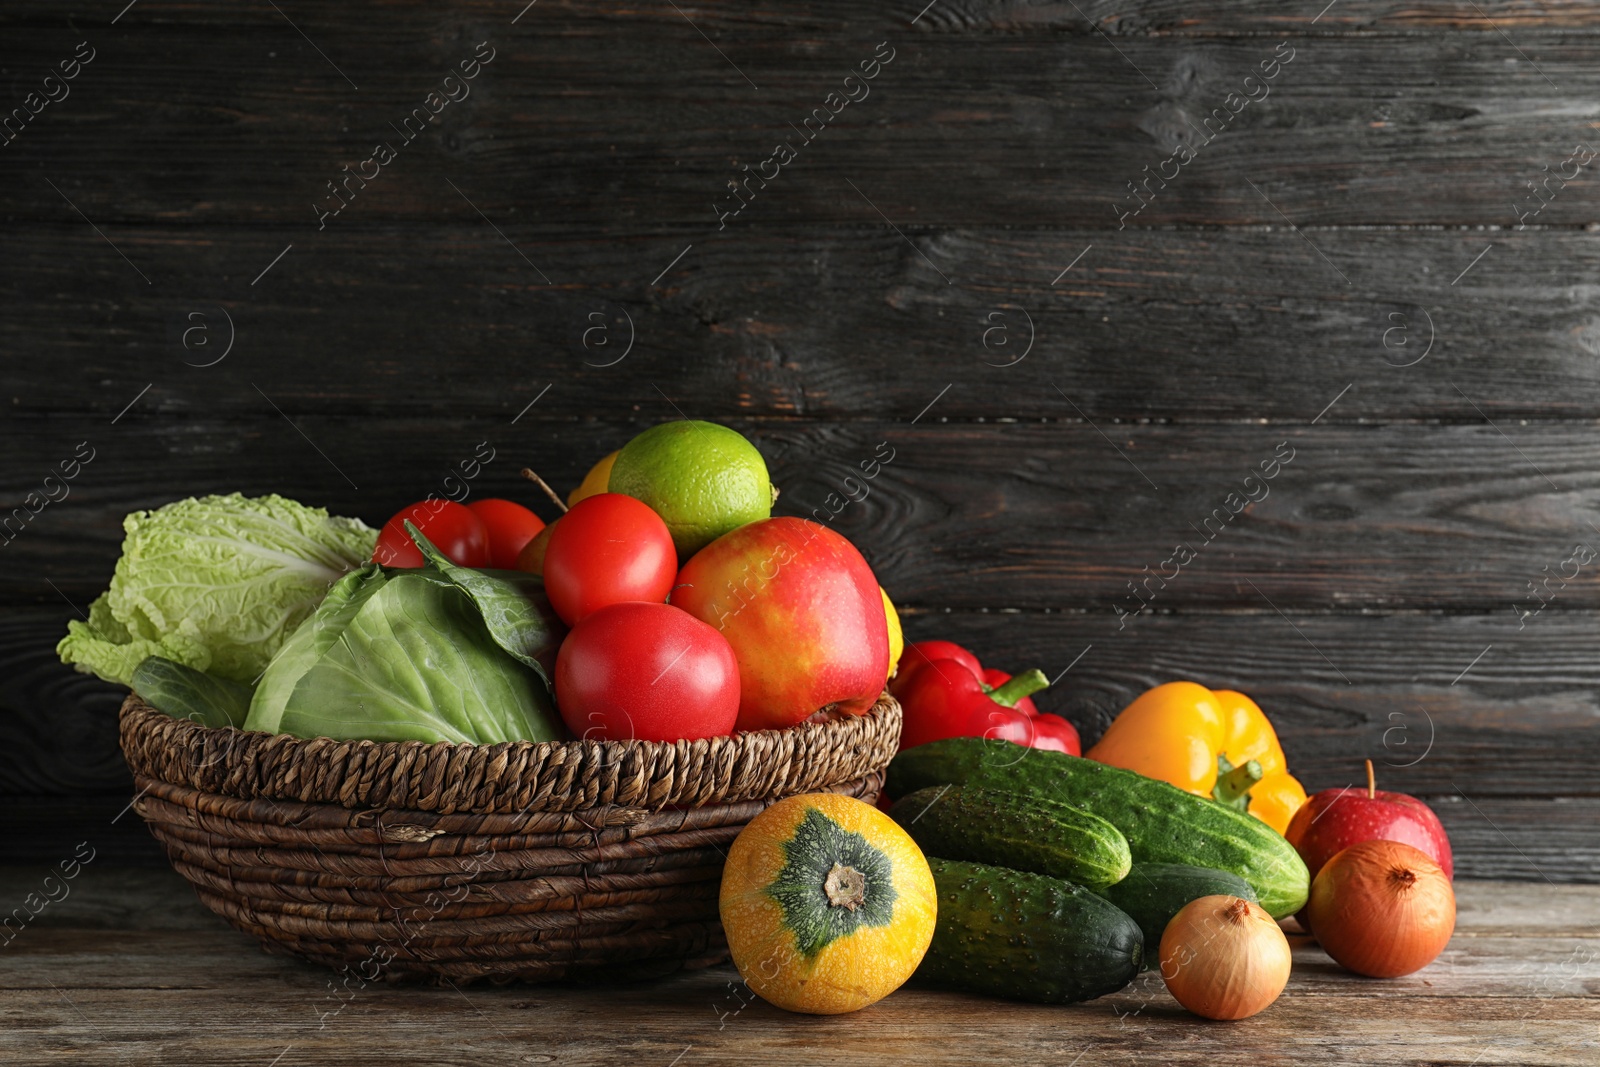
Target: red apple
(803,613)
(1334,819)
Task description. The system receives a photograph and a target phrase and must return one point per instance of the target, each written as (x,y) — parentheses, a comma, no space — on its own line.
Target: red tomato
(608,549)
(511,526)
(650,672)
(453,529)
(1056,734)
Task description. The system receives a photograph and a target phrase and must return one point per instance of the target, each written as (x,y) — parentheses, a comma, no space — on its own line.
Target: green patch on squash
(833,882)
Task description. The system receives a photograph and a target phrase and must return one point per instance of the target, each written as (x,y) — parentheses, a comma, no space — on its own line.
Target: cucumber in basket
(1154,892)
(1162,823)
(1025,833)
(1026,936)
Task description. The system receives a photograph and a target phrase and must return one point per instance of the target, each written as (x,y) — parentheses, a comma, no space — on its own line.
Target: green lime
(702,479)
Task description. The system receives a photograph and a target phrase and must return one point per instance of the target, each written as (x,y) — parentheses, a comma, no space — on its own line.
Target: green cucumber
(968,822)
(1026,936)
(1154,892)
(1162,823)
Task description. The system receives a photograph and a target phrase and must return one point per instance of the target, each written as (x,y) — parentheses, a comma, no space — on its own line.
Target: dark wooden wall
(1351,272)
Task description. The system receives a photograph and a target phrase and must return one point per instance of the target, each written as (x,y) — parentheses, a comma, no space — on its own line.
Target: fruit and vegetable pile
(1053,877)
(666,602)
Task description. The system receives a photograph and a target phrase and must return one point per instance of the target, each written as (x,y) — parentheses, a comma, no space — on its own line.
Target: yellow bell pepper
(1211,743)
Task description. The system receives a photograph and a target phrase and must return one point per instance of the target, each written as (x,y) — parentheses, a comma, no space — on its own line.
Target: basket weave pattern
(513,861)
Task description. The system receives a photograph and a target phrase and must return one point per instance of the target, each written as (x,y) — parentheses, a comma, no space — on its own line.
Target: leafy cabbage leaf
(185,693)
(216,583)
(513,604)
(406,655)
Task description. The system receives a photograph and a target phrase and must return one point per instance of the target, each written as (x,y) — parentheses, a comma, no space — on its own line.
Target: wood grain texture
(58,728)
(148,975)
(968,17)
(46,829)
(1060,516)
(1024,131)
(1128,17)
(1180,325)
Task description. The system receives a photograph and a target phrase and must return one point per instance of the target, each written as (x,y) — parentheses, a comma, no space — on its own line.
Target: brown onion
(1382,908)
(1224,958)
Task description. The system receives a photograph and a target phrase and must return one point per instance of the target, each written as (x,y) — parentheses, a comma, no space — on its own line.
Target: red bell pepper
(945,692)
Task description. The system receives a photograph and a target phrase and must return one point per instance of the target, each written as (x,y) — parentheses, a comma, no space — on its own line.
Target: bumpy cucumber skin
(1025,833)
(1026,936)
(1153,893)
(1162,823)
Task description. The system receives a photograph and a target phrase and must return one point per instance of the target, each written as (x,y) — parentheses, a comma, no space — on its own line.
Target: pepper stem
(1234,783)
(1025,684)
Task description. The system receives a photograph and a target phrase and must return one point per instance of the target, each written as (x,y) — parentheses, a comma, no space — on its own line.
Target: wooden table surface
(129,969)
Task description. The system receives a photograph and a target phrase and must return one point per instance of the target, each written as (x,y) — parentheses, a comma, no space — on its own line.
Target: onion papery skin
(1224,958)
(1382,909)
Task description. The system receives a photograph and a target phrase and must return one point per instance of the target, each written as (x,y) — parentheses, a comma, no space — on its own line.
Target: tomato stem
(1025,684)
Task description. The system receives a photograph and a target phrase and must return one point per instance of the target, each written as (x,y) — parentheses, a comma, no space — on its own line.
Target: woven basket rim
(519,776)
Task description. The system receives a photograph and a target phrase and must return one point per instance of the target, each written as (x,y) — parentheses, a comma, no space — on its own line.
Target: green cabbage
(216,583)
(185,693)
(439,653)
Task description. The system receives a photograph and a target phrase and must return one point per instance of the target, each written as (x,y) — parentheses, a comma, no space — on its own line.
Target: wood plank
(440,1028)
(1443,705)
(1547,840)
(1475,966)
(1180,18)
(1484,907)
(46,828)
(1026,130)
(1114,17)
(58,728)
(1059,516)
(779,324)
(94,992)
(106,896)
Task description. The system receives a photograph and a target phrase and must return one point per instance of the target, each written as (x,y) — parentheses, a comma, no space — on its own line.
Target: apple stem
(527,472)
(1025,684)
(1372,786)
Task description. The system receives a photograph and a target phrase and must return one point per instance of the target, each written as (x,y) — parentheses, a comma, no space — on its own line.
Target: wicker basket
(501,862)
